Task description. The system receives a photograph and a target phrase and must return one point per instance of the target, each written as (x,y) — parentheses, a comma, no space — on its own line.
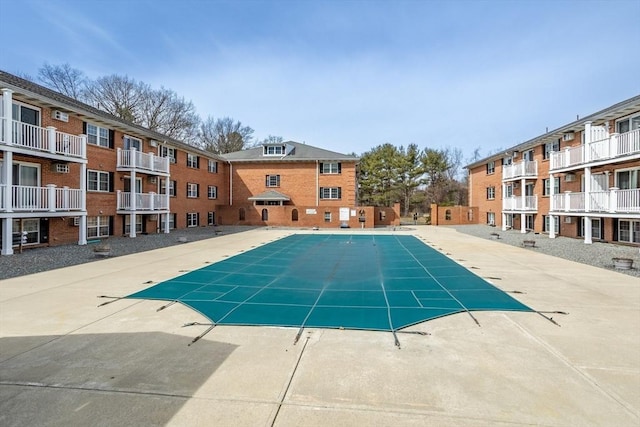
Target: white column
(7,223)
(552,218)
(132,203)
(51,197)
(587,230)
(504,221)
(51,139)
(587,142)
(587,189)
(7,119)
(523,225)
(82,232)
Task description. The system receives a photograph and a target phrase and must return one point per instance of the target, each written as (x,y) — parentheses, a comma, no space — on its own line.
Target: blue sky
(350,75)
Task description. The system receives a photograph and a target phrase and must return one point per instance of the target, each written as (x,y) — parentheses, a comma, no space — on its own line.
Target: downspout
(317,183)
(230,184)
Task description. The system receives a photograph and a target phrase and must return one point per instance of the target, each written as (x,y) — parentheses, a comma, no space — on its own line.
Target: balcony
(614,147)
(524,169)
(142,202)
(41,199)
(520,204)
(142,162)
(613,201)
(44,142)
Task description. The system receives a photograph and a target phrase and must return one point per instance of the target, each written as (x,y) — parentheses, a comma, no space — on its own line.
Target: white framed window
(556,224)
(491,167)
(330,168)
(529,222)
(97,135)
(546,190)
(97,226)
(131,143)
(97,181)
(507,161)
(192,190)
(273,150)
(172,187)
(491,218)
(213,166)
(629,231)
(508,220)
(491,193)
(528,155)
(29,225)
(193,161)
(193,219)
(211,218)
(272,181)
(627,179)
(327,217)
(172,221)
(508,190)
(169,152)
(333,193)
(550,147)
(212,192)
(127,224)
(628,124)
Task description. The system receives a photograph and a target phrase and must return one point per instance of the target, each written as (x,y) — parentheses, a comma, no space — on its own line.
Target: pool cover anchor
(549,318)
(196,339)
(109,302)
(167,305)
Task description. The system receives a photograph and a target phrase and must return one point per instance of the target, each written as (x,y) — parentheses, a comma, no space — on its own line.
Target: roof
(617,110)
(299,152)
(36,93)
(270,195)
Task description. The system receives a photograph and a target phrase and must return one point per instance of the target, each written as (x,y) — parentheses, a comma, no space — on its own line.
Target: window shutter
(111,176)
(321,167)
(187,218)
(198,218)
(322,192)
(339,167)
(111,226)
(197,190)
(84,128)
(615,230)
(339,192)
(197,162)
(112,137)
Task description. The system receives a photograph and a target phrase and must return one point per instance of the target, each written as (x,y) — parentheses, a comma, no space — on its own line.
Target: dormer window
(274,150)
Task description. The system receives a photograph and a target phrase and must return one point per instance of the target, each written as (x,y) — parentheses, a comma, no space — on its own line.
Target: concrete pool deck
(65,361)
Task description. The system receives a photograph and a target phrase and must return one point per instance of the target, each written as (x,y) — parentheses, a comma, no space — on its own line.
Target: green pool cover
(374,282)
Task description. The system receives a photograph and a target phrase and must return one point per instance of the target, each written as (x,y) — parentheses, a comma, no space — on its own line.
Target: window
(447,215)
(97,226)
(556,224)
(127,224)
(273,150)
(546,191)
(213,166)
(172,221)
(193,219)
(272,181)
(265,215)
(327,217)
(334,193)
(168,152)
(330,168)
(97,181)
(193,161)
(491,167)
(549,147)
(491,193)
(30,226)
(97,135)
(528,222)
(628,124)
(172,187)
(211,218)
(212,192)
(131,143)
(491,218)
(192,191)
(508,190)
(527,155)
(629,231)
(596,228)
(507,161)
(241,214)
(628,179)
(294,215)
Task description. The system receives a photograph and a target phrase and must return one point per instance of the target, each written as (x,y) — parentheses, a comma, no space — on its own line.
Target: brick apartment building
(581,180)
(72,173)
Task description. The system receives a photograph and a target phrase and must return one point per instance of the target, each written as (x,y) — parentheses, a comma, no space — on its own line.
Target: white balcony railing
(522,169)
(45,140)
(612,147)
(611,201)
(520,203)
(133,159)
(143,201)
(26,198)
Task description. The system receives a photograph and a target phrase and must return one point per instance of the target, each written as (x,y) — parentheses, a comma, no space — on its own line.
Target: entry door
(528,190)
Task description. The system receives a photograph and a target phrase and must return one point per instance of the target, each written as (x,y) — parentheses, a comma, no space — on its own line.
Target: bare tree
(64,79)
(271,139)
(224,135)
(118,95)
(163,111)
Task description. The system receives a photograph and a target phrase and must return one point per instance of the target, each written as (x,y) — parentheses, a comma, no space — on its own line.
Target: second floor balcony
(24,198)
(523,169)
(142,201)
(146,163)
(44,142)
(520,203)
(612,201)
(614,147)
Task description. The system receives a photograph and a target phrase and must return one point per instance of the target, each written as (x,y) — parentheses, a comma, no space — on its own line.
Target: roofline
(630,105)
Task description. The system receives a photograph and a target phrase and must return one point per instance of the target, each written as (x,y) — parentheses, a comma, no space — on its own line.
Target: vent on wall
(61,168)
(153,179)
(568,219)
(60,115)
(568,136)
(76,221)
(569,177)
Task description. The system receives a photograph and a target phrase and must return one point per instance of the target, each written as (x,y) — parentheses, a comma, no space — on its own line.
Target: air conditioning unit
(153,179)
(153,143)
(568,136)
(76,221)
(61,168)
(568,219)
(172,159)
(60,115)
(516,185)
(570,177)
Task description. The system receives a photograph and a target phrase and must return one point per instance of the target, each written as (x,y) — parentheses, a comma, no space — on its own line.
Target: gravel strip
(598,254)
(50,258)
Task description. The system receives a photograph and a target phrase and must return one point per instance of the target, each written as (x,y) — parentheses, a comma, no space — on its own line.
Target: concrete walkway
(66,362)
